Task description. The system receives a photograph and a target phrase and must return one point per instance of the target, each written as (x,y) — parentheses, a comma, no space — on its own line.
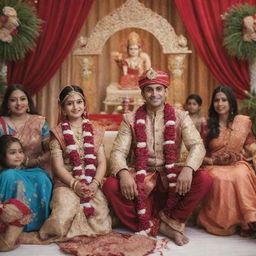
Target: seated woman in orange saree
(231,204)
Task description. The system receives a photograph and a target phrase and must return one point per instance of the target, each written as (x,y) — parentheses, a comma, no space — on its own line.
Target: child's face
(14,155)
(74,106)
(192,106)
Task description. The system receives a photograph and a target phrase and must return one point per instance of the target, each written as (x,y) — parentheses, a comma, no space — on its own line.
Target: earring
(28,109)
(9,111)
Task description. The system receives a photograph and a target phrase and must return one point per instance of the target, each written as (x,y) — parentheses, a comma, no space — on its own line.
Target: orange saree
(231,203)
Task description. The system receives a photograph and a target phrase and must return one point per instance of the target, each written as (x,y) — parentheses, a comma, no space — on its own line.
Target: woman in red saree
(229,141)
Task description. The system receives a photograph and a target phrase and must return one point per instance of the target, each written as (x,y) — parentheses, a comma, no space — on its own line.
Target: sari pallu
(32,186)
(231,203)
(34,137)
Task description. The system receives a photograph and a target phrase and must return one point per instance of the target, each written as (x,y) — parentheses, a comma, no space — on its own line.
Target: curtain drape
(202,19)
(62,21)
(197,77)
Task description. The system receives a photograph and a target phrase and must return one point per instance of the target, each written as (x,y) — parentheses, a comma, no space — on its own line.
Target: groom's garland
(141,153)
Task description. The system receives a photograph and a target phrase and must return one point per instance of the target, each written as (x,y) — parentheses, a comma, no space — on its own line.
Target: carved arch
(133,14)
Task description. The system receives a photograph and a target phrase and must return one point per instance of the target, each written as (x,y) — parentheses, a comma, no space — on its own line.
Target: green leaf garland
(28,31)
(233,32)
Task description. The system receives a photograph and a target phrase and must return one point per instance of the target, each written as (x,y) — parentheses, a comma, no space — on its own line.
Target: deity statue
(133,63)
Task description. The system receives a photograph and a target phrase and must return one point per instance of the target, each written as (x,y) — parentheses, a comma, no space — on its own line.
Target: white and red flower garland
(86,174)
(141,153)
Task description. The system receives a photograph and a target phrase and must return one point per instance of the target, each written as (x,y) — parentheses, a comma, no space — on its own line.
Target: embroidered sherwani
(156,185)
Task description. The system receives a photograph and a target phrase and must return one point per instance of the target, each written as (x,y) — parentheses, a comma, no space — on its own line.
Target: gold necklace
(19,132)
(76,126)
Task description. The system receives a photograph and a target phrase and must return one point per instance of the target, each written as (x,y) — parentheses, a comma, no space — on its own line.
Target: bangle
(74,185)
(71,183)
(96,182)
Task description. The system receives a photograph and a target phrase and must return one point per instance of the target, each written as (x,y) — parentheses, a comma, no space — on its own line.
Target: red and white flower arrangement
(86,174)
(141,154)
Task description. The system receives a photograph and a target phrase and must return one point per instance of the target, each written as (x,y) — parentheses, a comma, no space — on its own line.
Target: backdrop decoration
(248,107)
(19,27)
(240,36)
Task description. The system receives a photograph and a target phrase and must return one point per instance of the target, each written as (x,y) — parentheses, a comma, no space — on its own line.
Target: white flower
(171,175)
(169,142)
(141,172)
(140,121)
(141,144)
(170,122)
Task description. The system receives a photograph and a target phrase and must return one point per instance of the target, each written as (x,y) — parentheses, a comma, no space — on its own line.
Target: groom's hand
(127,185)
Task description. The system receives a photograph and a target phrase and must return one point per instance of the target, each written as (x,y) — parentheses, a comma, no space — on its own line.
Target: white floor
(201,244)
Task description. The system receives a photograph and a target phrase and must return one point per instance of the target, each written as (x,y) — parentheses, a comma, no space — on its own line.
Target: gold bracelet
(96,182)
(74,185)
(71,182)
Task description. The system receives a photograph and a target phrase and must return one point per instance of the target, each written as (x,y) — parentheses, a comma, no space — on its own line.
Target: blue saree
(31,186)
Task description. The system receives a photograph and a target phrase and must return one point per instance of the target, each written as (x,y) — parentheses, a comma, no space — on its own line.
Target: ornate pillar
(252,70)
(177,91)
(84,75)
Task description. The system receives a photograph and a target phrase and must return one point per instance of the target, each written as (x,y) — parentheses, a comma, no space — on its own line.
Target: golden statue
(133,63)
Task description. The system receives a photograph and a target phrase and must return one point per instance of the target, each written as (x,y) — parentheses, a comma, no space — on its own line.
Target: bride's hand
(81,189)
(93,188)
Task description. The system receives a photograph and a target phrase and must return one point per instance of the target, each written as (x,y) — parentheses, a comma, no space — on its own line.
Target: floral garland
(19,27)
(85,175)
(141,153)
(240,31)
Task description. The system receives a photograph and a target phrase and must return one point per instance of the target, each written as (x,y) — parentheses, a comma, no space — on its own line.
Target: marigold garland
(141,153)
(86,174)
(24,35)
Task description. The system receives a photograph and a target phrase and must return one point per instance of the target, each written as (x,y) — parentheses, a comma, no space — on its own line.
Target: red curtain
(203,22)
(63,20)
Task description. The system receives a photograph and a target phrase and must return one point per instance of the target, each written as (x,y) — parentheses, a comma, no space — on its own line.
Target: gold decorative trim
(132,14)
(172,223)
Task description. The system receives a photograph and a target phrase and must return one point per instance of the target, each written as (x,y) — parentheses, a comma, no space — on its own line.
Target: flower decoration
(19,27)
(8,24)
(240,31)
(146,224)
(248,107)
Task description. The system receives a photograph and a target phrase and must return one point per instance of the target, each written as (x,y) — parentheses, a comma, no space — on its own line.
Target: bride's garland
(141,153)
(86,174)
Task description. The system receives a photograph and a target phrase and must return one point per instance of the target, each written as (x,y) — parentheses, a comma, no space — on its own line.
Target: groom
(151,191)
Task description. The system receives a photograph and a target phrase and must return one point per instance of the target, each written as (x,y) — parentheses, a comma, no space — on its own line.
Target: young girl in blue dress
(30,186)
